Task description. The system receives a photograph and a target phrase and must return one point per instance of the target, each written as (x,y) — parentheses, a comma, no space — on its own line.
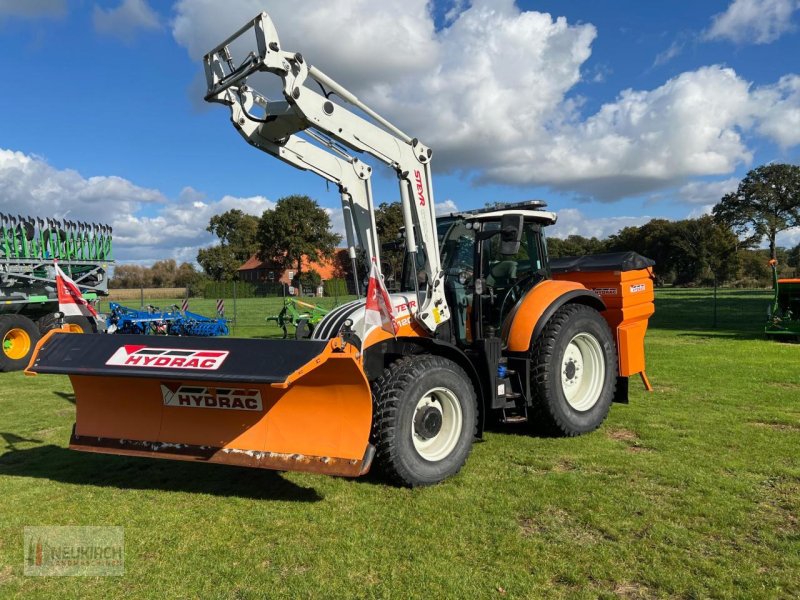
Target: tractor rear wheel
(18,336)
(425,419)
(574,370)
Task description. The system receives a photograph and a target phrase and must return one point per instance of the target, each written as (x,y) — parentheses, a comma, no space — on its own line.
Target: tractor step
(513,417)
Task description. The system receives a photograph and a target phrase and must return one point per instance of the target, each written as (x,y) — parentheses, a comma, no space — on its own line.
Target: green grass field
(692,491)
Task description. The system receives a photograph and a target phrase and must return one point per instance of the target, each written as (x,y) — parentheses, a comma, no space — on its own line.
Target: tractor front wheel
(425,419)
(18,335)
(574,370)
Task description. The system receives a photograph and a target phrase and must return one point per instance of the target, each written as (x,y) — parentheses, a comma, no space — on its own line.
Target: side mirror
(511,234)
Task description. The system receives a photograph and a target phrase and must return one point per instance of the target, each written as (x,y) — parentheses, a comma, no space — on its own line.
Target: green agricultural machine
(303,316)
(28,298)
(784,312)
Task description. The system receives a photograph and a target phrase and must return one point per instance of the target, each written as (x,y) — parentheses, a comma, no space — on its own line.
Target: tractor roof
(531,209)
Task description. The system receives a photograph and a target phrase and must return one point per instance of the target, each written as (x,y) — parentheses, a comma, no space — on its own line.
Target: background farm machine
(784,313)
(28,299)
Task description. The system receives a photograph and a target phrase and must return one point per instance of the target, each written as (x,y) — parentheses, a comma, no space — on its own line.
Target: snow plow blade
(277,404)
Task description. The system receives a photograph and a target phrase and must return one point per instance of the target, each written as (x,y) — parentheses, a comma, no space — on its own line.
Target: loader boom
(306,110)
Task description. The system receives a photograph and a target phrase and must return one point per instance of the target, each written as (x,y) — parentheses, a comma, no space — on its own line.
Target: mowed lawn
(690,491)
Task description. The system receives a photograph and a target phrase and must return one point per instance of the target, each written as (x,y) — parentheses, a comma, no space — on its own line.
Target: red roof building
(256,270)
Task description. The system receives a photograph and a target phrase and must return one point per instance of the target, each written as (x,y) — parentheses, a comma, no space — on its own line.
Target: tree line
(723,247)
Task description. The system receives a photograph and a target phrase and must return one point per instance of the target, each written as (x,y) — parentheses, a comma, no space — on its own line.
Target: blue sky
(613,112)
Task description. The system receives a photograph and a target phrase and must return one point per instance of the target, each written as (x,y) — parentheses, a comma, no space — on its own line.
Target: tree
(219,262)
(705,251)
(164,272)
(793,258)
(295,228)
(654,240)
(185,275)
(310,279)
(131,276)
(236,230)
(573,245)
(389,222)
(766,203)
(237,242)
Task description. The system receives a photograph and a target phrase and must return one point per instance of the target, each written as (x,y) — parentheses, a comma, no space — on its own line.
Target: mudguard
(531,313)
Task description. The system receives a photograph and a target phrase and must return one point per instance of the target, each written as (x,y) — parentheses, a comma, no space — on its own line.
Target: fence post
(715,301)
(141,296)
(234,306)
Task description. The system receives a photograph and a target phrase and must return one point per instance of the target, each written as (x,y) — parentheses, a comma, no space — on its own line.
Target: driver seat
(502,274)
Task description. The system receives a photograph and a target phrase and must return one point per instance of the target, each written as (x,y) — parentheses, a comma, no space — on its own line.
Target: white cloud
(707,192)
(789,238)
(778,110)
(572,221)
(492,92)
(675,48)
(126,20)
(31,9)
(753,21)
(445,207)
(147,226)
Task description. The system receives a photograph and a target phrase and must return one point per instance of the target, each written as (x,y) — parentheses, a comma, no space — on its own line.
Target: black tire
(46,323)
(80,324)
(554,411)
(396,394)
(18,336)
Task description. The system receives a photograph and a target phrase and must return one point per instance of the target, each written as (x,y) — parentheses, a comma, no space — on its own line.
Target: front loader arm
(305,109)
(351,175)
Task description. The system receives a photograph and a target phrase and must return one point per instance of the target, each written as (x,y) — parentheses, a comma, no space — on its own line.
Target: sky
(613,112)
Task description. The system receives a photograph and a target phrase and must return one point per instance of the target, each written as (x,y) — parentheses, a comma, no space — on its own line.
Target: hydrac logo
(167,358)
(204,397)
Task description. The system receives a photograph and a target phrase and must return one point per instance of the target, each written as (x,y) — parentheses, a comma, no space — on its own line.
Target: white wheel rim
(583,371)
(442,444)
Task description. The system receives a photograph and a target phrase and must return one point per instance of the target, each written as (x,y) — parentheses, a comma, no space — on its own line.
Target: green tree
(654,240)
(766,203)
(389,222)
(573,245)
(219,262)
(236,230)
(704,251)
(793,258)
(295,228)
(310,279)
(237,242)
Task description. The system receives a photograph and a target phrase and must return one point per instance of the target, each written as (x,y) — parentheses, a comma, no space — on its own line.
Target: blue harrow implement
(154,321)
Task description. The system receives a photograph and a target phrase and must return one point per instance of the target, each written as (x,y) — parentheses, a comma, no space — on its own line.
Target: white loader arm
(351,175)
(307,110)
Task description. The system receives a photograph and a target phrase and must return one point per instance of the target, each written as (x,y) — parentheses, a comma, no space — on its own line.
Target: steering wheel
(514,293)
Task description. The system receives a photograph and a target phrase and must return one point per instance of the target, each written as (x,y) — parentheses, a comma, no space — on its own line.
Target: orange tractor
(488,328)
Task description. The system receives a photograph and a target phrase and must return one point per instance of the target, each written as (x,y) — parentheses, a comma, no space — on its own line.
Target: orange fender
(530,314)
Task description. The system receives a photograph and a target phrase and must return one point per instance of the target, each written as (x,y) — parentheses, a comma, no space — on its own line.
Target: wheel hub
(569,372)
(428,422)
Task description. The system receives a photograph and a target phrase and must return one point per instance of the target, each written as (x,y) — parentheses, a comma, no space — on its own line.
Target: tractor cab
(491,257)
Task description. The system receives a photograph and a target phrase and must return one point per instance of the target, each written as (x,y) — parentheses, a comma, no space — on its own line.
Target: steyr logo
(420,188)
(167,358)
(203,397)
